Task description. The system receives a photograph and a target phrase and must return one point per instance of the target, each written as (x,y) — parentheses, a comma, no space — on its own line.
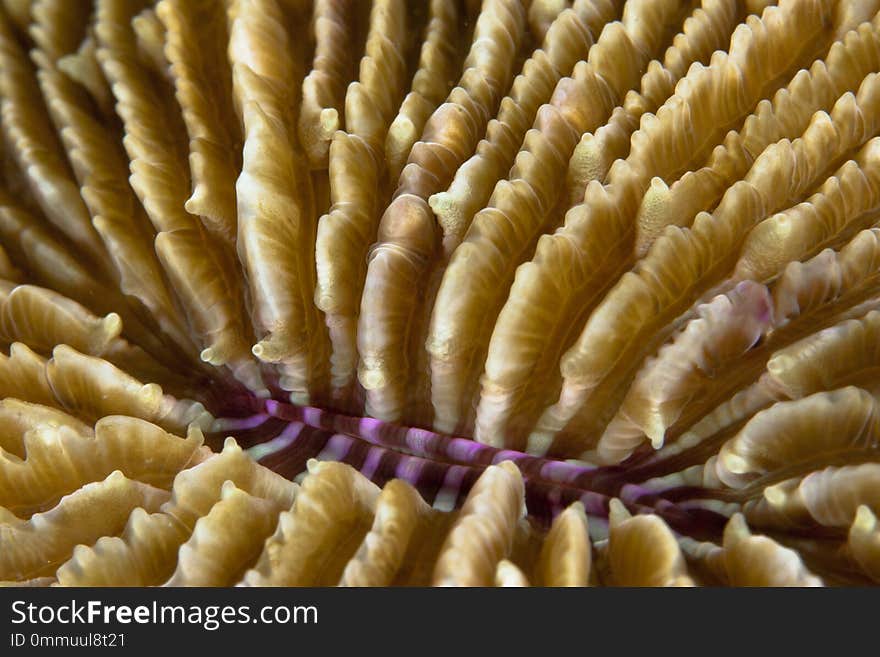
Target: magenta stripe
(444,467)
(238,423)
(432,445)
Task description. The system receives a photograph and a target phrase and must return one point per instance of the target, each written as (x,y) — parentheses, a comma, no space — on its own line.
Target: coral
(450,292)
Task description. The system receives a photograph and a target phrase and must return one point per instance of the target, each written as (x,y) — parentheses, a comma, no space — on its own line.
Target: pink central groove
(285,436)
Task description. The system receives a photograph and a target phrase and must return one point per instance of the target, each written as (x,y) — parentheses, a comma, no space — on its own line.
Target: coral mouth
(444,468)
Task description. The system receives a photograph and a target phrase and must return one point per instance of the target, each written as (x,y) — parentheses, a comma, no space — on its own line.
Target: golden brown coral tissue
(510,292)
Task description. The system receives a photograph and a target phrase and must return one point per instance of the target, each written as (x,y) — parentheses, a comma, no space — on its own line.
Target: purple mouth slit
(436,464)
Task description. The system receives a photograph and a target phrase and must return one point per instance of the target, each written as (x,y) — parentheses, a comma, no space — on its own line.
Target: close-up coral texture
(440,292)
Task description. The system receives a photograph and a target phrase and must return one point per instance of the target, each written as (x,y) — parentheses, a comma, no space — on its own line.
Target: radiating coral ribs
(51,262)
(632,563)
(58,28)
(42,319)
(166,546)
(393,319)
(359,183)
(99,163)
(727,328)
(33,554)
(196,49)
(333,22)
(418,257)
(827,422)
(800,158)
(540,167)
(36,147)
(83,68)
(474,180)
(845,67)
(118,443)
(484,532)
(155,143)
(439,58)
(706,30)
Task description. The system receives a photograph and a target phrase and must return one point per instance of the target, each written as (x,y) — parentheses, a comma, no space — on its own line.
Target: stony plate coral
(448,291)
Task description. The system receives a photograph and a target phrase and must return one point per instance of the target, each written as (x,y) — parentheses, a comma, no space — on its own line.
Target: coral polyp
(451,292)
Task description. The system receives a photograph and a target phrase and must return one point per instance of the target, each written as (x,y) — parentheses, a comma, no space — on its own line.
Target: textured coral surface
(455,292)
